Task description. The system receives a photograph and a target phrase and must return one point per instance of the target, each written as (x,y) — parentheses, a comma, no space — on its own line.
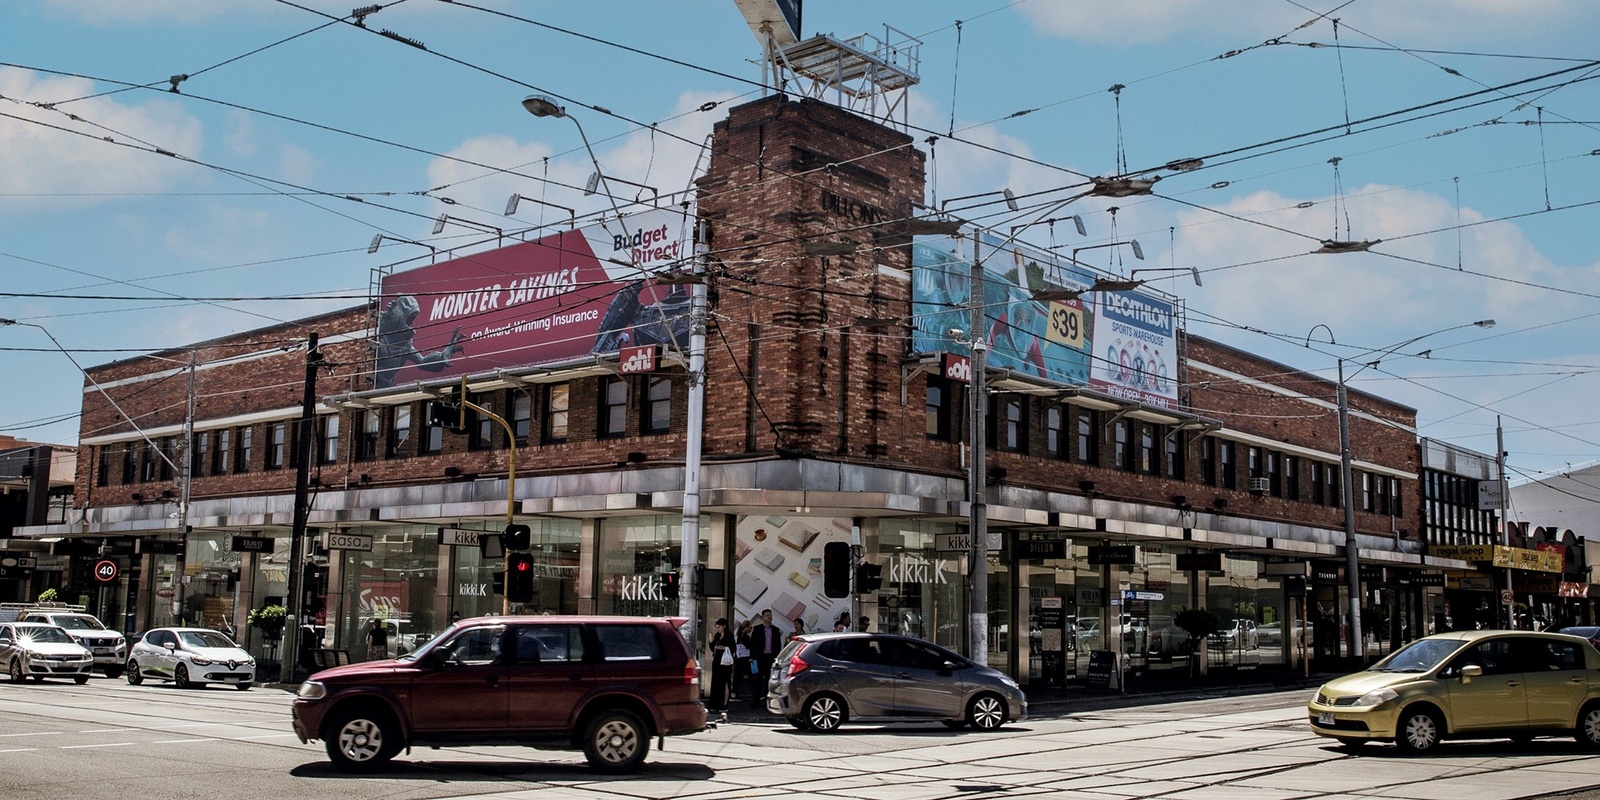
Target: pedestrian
(765,642)
(722,658)
(842,624)
(799,629)
(377,640)
(864,625)
(741,659)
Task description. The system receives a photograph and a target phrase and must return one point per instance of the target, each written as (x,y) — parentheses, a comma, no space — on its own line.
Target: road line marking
(20,750)
(112,730)
(82,746)
(262,736)
(37,733)
(182,741)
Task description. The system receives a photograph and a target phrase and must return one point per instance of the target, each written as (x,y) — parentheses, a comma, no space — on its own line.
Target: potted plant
(47,596)
(269,620)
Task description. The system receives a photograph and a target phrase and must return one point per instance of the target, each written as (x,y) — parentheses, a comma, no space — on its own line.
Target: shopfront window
(923,592)
(555,551)
(636,556)
(397,582)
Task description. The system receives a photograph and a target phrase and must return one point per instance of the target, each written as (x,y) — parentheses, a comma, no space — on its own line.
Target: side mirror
(1471,671)
(947,668)
(172,646)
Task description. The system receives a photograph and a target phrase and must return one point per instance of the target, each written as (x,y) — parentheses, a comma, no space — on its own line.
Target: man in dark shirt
(765,642)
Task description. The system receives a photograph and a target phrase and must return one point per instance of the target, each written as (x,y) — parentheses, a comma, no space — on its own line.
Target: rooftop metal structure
(868,74)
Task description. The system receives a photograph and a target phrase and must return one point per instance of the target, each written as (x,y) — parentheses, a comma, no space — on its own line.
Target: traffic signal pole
(290,649)
(511,479)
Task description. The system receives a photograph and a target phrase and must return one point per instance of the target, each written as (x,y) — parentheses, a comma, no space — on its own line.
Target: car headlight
(312,690)
(249,662)
(1375,697)
(200,662)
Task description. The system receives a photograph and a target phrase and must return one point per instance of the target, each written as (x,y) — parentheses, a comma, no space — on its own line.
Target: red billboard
(560,298)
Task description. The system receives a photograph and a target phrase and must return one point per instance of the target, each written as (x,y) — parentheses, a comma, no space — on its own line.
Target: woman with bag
(721,668)
(741,658)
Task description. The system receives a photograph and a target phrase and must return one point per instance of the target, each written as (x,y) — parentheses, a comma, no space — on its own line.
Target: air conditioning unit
(1259,485)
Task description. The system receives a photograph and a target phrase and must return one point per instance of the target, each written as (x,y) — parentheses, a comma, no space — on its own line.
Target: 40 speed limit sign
(106,570)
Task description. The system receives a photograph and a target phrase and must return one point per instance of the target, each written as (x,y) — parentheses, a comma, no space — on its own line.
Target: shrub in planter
(269,620)
(1198,623)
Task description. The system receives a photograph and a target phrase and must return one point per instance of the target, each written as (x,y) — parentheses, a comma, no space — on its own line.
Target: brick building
(833,414)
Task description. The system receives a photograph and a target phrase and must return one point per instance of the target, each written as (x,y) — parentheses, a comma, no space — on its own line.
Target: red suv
(602,684)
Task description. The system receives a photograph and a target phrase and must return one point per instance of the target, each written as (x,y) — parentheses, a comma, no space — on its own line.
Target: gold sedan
(1467,684)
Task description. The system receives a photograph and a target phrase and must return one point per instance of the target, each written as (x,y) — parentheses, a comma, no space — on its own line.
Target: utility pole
(1352,558)
(689,543)
(302,485)
(186,474)
(978,510)
(1505,525)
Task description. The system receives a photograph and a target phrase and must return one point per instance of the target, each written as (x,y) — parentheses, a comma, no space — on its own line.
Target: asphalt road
(111,740)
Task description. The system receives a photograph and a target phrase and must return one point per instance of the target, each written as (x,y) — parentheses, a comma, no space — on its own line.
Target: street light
(1011,199)
(377,241)
(515,199)
(1352,563)
(1138,252)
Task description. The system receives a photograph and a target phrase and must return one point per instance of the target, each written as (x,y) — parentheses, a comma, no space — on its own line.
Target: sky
(1459,135)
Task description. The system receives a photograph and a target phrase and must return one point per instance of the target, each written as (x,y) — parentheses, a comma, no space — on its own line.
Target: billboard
(1119,343)
(568,295)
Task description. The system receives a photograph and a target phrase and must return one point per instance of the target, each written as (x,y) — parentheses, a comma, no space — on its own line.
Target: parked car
(823,680)
(1590,632)
(1239,634)
(1271,634)
(1467,684)
(603,684)
(190,658)
(109,647)
(36,650)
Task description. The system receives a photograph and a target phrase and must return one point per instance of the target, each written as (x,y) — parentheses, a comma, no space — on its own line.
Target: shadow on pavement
(534,771)
(1555,746)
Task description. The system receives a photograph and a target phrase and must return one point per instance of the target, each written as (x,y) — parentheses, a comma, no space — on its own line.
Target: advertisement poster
(1121,343)
(778,565)
(563,297)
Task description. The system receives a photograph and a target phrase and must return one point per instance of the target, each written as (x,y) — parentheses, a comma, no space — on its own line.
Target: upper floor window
(1225,464)
(613,421)
(431,439)
(169,456)
(1086,436)
(1274,473)
(1368,503)
(657,416)
(1291,477)
(1394,497)
(102,475)
(557,409)
(1174,449)
(480,426)
(222,452)
(1208,461)
(1147,448)
(277,445)
(399,432)
(1253,462)
(1121,448)
(1055,435)
(243,449)
(1011,424)
(198,445)
(366,447)
(521,416)
(937,403)
(328,451)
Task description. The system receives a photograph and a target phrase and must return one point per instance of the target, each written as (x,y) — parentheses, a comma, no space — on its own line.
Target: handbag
(727,657)
(755,668)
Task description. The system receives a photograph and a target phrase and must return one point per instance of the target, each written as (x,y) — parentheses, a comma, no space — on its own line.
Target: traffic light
(669,586)
(519,578)
(447,415)
(836,569)
(517,537)
(869,578)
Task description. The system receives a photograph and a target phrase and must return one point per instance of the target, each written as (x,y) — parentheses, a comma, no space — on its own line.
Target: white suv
(109,647)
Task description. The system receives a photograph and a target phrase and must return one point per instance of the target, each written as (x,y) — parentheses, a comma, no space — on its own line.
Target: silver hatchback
(821,681)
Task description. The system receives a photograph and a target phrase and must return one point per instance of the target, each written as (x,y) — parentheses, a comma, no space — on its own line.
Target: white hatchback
(36,650)
(190,657)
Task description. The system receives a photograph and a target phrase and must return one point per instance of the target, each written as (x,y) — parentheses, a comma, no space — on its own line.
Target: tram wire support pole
(305,434)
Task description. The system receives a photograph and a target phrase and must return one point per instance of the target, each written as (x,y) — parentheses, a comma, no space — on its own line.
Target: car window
(44,634)
(475,646)
(1544,655)
(549,643)
(164,638)
(628,642)
(1496,658)
(5,634)
(73,622)
(913,655)
(205,639)
(861,651)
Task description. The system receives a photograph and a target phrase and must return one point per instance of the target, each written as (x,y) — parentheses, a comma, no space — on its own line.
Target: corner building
(834,413)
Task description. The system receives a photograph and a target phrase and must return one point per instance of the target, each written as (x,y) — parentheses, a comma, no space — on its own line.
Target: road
(111,740)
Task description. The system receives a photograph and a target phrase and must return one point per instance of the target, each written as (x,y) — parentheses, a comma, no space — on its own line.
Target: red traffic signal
(519,577)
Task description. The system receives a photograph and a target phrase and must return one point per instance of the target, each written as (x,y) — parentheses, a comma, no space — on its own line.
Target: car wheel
(616,741)
(954,724)
(824,713)
(1419,731)
(180,677)
(986,712)
(135,677)
(17,675)
(1588,730)
(80,679)
(359,740)
(113,672)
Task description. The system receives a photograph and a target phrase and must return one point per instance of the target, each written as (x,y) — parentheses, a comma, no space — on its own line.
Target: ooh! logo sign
(957,368)
(106,571)
(637,359)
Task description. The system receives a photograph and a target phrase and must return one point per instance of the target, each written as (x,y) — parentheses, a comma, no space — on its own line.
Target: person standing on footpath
(799,629)
(722,658)
(741,659)
(377,640)
(765,642)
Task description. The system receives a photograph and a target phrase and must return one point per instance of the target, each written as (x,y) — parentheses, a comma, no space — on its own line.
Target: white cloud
(39,157)
(1133,22)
